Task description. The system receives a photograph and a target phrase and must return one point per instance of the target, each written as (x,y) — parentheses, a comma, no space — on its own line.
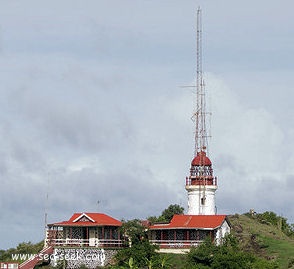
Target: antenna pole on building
(46,207)
(200,113)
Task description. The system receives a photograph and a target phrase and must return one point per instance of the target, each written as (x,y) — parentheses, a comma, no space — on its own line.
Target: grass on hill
(256,235)
(264,239)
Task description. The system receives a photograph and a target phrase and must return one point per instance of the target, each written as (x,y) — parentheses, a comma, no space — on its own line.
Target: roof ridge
(188,220)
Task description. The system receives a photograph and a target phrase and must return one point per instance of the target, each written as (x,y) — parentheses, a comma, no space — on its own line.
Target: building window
(203,201)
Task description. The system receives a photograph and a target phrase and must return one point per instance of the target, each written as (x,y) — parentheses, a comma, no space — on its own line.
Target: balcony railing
(176,243)
(92,242)
(201,181)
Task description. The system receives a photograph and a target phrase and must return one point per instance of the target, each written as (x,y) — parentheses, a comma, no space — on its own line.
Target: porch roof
(205,222)
(88,219)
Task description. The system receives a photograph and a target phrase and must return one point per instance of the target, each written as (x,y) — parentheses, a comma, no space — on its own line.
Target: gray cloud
(90,108)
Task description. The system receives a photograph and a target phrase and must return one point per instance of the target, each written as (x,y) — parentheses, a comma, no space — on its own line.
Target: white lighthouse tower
(201,185)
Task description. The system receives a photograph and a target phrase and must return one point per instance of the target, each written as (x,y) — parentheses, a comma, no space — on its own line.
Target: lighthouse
(201,184)
(189,230)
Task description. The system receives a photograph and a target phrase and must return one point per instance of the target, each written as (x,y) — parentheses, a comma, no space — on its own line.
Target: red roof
(201,159)
(89,219)
(192,221)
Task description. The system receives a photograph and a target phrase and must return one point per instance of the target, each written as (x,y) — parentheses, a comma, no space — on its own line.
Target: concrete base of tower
(201,199)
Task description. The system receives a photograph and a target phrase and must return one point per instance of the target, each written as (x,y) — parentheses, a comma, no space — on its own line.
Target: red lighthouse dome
(201,159)
(201,172)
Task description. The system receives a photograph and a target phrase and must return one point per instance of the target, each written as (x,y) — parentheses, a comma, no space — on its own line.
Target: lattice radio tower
(201,137)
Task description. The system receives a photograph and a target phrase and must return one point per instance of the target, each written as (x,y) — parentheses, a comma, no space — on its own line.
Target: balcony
(201,181)
(173,244)
(92,242)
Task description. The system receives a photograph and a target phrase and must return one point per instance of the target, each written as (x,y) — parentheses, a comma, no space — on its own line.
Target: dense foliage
(228,255)
(133,231)
(272,218)
(22,248)
(140,252)
(140,255)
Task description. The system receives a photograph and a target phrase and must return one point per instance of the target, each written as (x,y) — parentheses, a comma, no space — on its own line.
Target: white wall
(222,232)
(195,193)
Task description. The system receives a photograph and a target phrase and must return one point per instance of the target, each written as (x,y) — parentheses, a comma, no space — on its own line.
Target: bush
(139,253)
(228,256)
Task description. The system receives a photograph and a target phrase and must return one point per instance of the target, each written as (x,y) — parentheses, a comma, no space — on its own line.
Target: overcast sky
(93,115)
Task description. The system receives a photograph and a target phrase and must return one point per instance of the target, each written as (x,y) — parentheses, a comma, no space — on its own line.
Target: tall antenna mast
(46,207)
(200,113)
(201,185)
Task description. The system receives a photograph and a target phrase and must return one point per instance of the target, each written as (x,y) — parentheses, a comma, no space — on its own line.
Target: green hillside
(266,238)
(265,235)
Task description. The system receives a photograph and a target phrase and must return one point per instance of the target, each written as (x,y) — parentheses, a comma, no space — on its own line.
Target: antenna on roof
(98,202)
(46,205)
(199,115)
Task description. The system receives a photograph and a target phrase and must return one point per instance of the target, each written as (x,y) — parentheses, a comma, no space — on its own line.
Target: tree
(203,254)
(172,210)
(22,248)
(167,214)
(140,254)
(272,218)
(133,230)
(228,255)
